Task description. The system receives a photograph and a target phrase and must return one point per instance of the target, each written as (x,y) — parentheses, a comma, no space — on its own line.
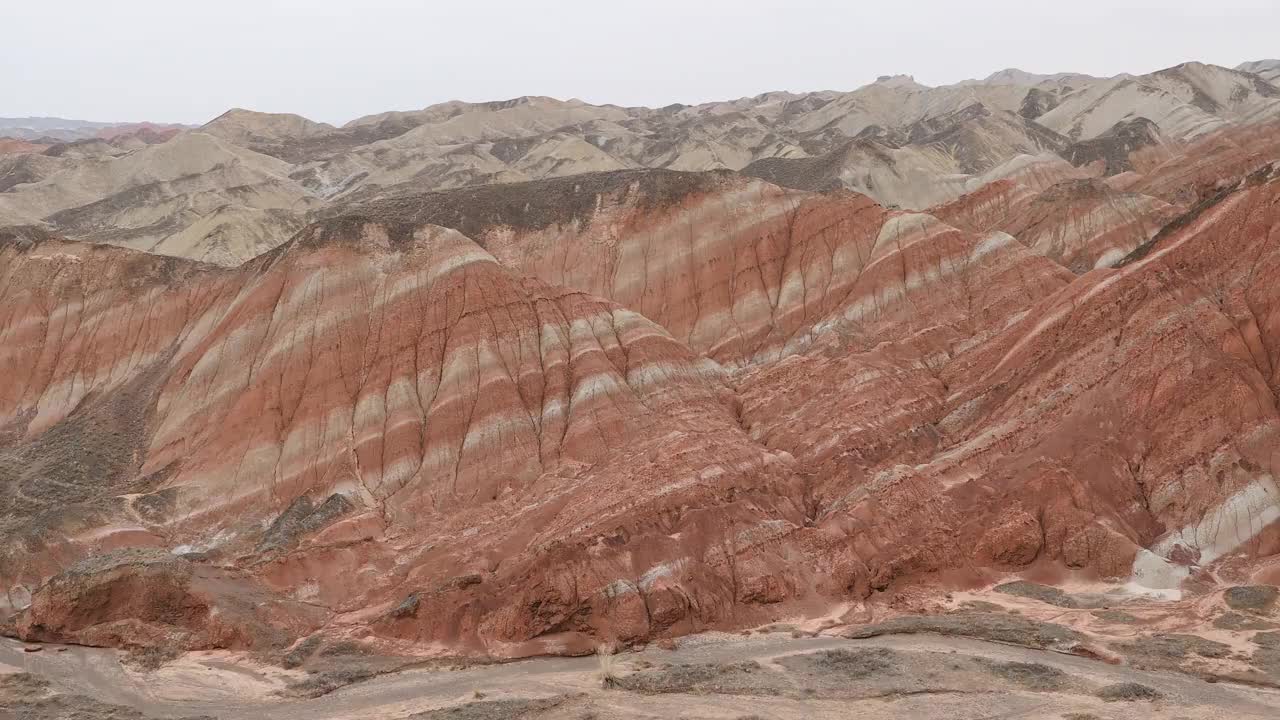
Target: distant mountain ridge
(1015,76)
(1268,70)
(902,143)
(64,129)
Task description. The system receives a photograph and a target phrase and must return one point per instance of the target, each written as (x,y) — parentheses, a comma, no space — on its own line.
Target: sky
(188,61)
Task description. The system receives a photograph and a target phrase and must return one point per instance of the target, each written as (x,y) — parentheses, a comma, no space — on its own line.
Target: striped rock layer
(1080,223)
(641,408)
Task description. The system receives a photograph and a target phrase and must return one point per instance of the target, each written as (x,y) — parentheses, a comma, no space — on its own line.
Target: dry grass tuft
(605,655)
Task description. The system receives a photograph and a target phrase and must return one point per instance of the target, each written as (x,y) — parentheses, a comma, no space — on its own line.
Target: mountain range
(246,181)
(522,377)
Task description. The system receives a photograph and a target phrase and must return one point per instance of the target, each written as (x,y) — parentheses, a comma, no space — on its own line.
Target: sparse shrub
(1128,692)
(1036,676)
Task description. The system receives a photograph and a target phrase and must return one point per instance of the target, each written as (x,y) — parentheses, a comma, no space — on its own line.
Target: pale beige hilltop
(1268,70)
(175,198)
(1186,101)
(255,129)
(246,181)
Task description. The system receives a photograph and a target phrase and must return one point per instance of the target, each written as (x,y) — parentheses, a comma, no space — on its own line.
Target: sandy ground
(1164,658)
(714,676)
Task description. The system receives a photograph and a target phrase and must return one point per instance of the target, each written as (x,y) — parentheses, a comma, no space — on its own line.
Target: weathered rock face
(1113,150)
(1080,224)
(400,368)
(1204,167)
(1268,70)
(1185,102)
(628,405)
(1083,223)
(191,195)
(736,269)
(153,599)
(1133,409)
(931,161)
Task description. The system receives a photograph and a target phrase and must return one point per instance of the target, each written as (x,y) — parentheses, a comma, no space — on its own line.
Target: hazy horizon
(333,62)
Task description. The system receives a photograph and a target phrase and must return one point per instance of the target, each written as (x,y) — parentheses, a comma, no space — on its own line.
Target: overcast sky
(182,61)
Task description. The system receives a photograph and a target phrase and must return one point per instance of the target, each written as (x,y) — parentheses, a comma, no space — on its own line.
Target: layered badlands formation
(246,181)
(523,417)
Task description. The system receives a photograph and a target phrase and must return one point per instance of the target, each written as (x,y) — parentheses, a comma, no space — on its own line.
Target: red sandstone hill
(627,405)
(509,378)
(15,146)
